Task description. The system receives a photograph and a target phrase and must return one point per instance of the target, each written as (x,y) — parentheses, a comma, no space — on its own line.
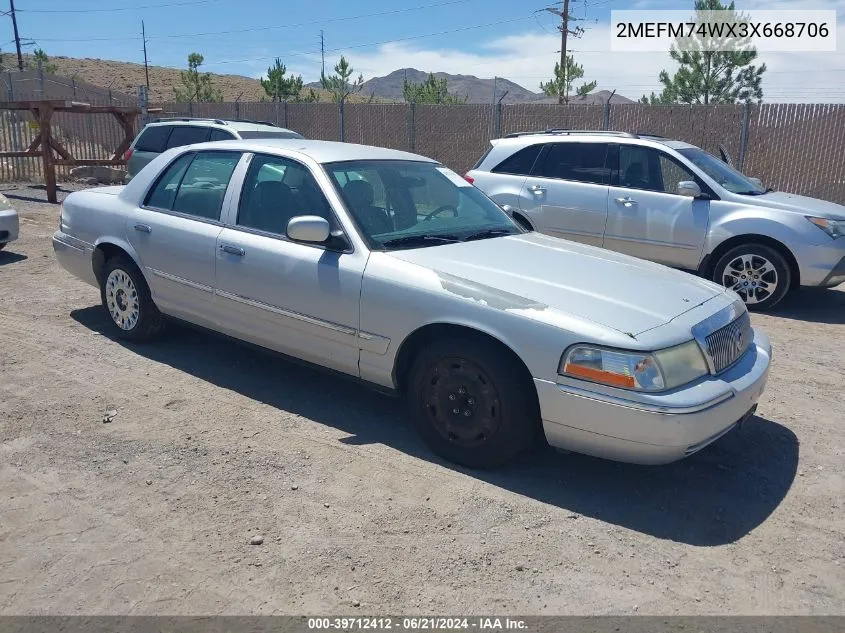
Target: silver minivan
(669,202)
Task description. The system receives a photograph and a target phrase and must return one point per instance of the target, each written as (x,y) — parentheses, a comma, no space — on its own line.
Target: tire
(127,301)
(749,259)
(482,383)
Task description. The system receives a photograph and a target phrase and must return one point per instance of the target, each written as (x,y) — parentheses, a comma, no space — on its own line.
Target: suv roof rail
(652,135)
(187,118)
(270,123)
(566,132)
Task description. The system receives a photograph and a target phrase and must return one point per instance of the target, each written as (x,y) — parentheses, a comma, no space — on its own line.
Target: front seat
(634,177)
(360,195)
(270,207)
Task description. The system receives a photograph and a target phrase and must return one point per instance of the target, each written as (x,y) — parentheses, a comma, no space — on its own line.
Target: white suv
(669,202)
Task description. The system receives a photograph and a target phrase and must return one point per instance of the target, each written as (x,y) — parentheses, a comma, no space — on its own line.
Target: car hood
(798,204)
(610,289)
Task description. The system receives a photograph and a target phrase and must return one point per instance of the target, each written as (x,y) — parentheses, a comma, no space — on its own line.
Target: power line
(261,28)
(110,10)
(401,39)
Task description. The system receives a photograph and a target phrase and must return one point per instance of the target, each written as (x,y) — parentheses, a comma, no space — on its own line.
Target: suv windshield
(406,204)
(721,172)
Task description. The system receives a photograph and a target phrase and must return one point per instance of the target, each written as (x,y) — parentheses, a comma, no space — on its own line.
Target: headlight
(834,228)
(638,371)
(4,203)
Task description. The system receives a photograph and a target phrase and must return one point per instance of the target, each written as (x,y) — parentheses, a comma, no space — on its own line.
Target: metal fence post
(41,77)
(143,103)
(411,124)
(11,89)
(497,121)
(340,115)
(743,135)
(605,119)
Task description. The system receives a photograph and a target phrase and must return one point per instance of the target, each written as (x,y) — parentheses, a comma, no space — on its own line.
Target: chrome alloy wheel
(122,299)
(753,277)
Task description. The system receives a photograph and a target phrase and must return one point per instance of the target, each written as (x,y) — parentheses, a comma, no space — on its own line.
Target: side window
(277,189)
(164,192)
(220,135)
(581,162)
(639,169)
(672,173)
(202,189)
(187,135)
(152,139)
(520,163)
(649,169)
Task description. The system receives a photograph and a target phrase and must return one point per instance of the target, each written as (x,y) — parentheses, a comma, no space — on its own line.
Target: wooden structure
(43,111)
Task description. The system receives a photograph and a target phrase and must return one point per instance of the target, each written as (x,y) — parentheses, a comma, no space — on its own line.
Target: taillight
(127,154)
(469,178)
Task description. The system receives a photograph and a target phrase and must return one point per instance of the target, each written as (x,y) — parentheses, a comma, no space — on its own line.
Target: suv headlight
(834,228)
(638,371)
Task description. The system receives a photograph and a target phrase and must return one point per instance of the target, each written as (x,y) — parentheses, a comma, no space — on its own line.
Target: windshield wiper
(421,240)
(483,235)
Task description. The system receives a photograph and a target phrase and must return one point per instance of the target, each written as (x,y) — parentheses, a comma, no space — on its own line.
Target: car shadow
(712,498)
(10,257)
(816,305)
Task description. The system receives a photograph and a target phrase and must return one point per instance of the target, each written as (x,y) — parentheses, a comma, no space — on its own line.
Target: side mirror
(757,182)
(309,228)
(689,188)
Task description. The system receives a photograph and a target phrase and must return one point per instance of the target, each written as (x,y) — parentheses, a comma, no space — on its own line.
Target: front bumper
(661,430)
(9,226)
(823,264)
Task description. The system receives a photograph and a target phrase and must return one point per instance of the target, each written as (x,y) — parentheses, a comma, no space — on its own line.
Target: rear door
(503,183)
(175,232)
(566,194)
(647,218)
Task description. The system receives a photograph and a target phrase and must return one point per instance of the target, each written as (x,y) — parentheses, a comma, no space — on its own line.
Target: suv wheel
(468,404)
(757,273)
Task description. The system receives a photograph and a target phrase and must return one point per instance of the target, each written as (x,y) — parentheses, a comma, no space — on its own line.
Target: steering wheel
(441,209)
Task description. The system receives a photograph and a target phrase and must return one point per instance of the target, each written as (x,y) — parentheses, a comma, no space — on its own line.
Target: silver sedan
(390,268)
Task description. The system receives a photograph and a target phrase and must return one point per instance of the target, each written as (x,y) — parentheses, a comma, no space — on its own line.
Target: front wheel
(126,298)
(759,274)
(471,403)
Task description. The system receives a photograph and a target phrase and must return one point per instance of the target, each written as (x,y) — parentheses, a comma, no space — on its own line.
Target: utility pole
(146,67)
(565,18)
(322,54)
(17,36)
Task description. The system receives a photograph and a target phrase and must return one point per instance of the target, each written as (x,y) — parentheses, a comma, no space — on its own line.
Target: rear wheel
(126,298)
(470,402)
(759,274)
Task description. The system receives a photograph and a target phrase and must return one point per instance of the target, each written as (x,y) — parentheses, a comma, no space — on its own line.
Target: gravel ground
(211,443)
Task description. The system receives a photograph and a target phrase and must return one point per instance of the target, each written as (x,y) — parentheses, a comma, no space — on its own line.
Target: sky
(514,39)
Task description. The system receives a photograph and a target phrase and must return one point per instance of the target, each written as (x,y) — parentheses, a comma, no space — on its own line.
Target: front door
(646,216)
(566,194)
(175,232)
(299,299)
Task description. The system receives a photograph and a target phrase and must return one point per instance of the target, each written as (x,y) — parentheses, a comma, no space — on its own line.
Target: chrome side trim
(373,342)
(643,406)
(335,327)
(180,280)
(65,242)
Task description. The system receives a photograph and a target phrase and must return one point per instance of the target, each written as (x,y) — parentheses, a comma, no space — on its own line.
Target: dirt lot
(214,442)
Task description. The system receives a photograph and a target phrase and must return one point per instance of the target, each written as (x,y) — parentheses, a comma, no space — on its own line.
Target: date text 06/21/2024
(417,623)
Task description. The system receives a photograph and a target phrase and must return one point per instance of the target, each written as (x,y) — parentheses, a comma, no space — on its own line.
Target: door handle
(143,228)
(232,250)
(627,201)
(537,190)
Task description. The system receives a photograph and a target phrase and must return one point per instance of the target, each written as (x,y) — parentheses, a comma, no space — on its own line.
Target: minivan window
(519,164)
(187,135)
(581,162)
(152,139)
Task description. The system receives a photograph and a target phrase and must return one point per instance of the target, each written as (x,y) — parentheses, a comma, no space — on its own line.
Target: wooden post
(45,116)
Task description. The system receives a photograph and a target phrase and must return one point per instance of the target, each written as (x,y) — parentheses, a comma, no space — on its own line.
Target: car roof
(319,151)
(564,136)
(237,126)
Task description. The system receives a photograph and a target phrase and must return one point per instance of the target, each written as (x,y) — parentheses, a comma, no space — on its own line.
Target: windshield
(721,172)
(405,204)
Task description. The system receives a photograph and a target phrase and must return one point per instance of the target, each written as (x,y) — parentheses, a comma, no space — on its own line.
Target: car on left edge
(390,268)
(9,223)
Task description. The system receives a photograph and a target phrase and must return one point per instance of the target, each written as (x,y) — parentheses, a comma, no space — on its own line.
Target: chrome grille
(726,345)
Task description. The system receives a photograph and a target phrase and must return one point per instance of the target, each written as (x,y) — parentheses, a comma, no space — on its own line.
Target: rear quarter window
(520,163)
(153,139)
